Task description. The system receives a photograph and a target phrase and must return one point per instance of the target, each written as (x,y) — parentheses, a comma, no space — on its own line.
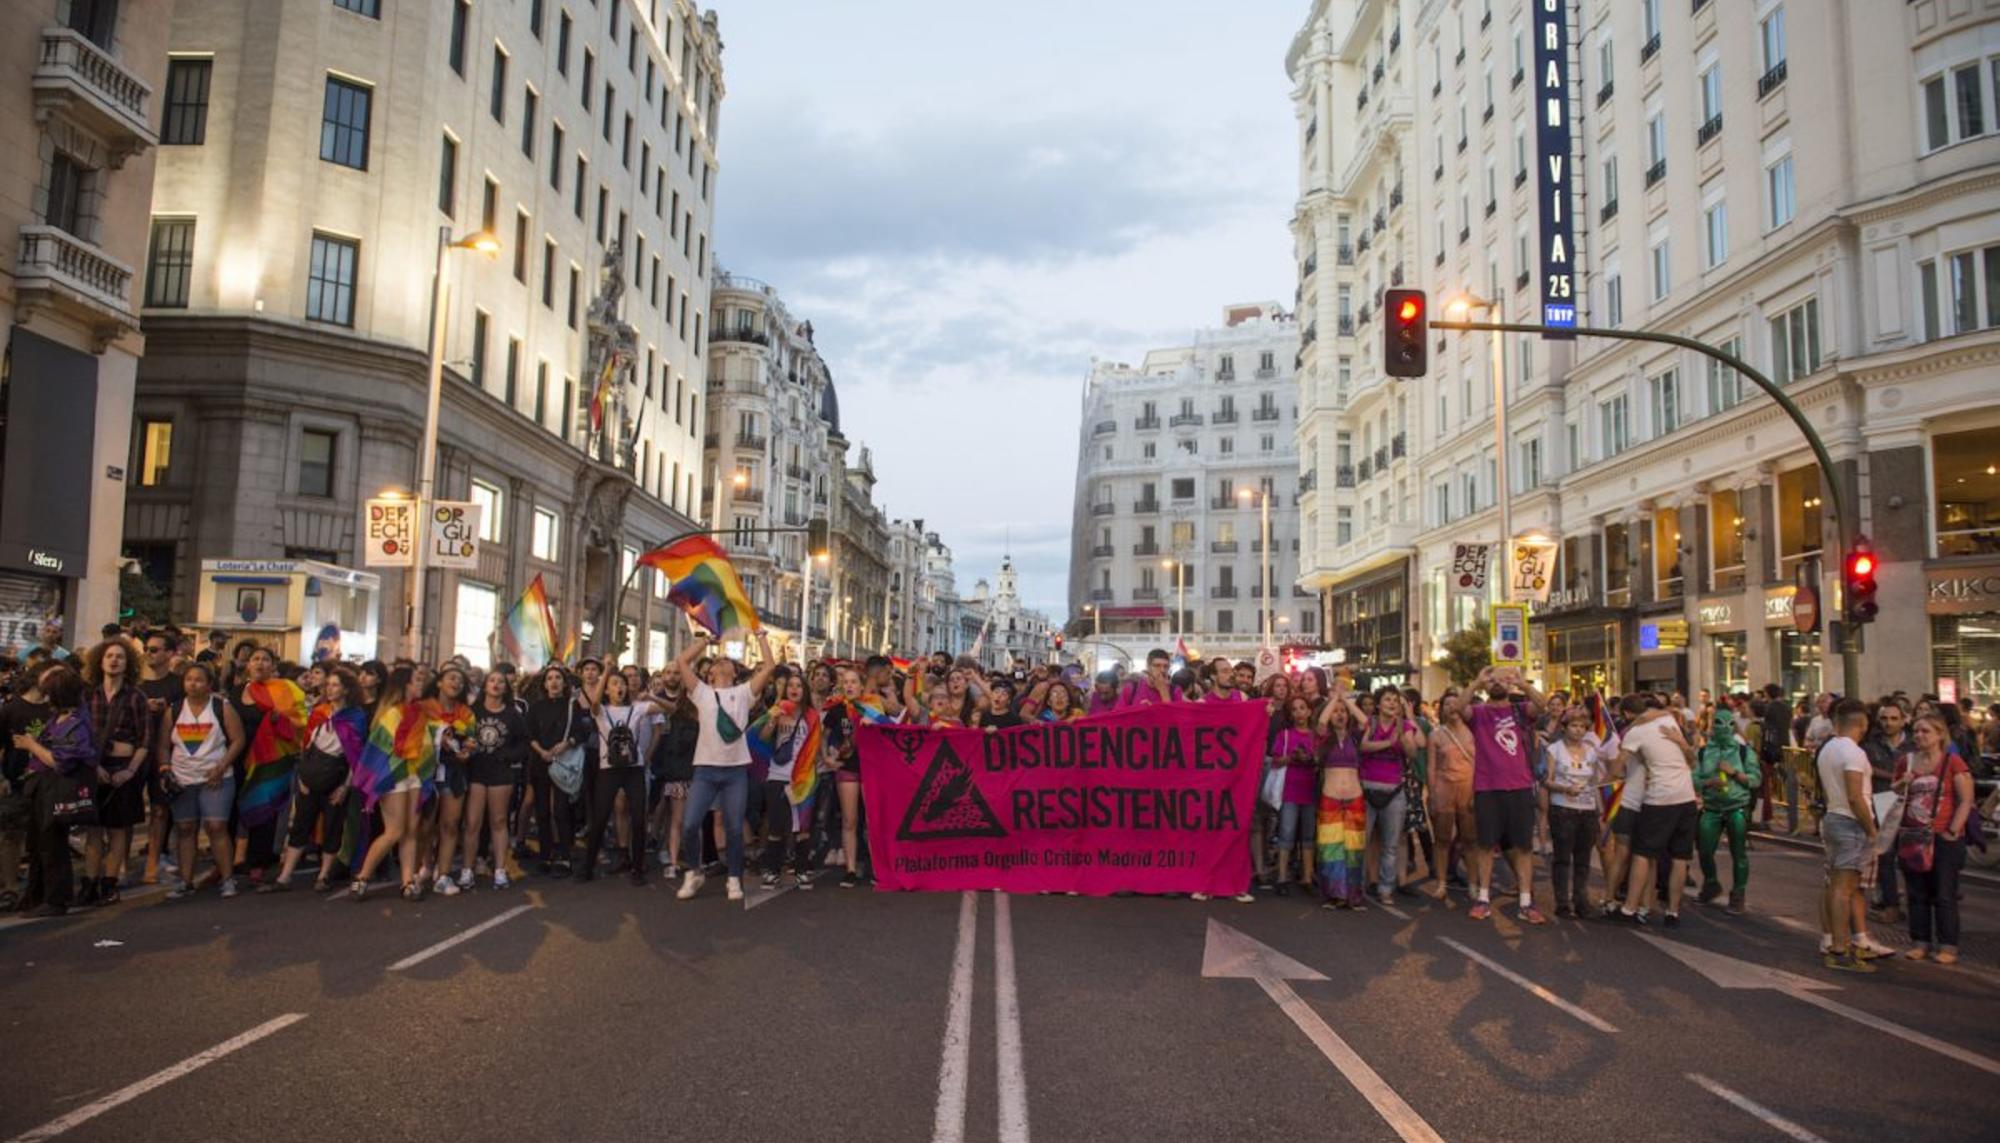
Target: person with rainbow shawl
(335,733)
(851,706)
(397,772)
(274,714)
(787,740)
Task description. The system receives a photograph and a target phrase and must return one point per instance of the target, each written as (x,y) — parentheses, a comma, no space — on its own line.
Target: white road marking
(1399,1115)
(1007,1018)
(758,895)
(454,941)
(130,1092)
(1393,911)
(1771,1118)
(1532,988)
(955,1063)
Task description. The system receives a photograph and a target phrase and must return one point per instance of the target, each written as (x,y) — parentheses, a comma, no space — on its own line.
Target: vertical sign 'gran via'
(1552,145)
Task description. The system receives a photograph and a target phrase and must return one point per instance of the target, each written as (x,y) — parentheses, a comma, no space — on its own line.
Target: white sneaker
(691,883)
(500,880)
(1197,896)
(229,888)
(735,888)
(445,887)
(465,878)
(1867,941)
(1825,943)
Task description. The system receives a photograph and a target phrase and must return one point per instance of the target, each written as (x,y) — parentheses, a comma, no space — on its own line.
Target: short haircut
(1847,712)
(1158,654)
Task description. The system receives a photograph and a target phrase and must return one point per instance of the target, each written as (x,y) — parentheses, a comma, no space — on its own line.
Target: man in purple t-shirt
(1503,785)
(1155,686)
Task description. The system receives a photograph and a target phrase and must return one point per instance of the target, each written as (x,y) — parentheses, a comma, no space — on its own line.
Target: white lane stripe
(1399,1115)
(1007,1018)
(1532,988)
(451,942)
(1392,911)
(130,1092)
(955,1062)
(1771,1118)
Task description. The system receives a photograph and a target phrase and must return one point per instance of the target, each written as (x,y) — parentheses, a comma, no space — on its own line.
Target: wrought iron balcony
(1382,458)
(1103,551)
(1222,547)
(1655,173)
(1604,93)
(741,334)
(1398,445)
(1145,507)
(751,442)
(1344,254)
(1343,476)
(1144,424)
(1650,49)
(1264,413)
(1146,594)
(1103,508)
(1771,80)
(1609,212)
(86,84)
(1708,130)
(1143,549)
(1223,416)
(1104,428)
(1183,420)
(1365,471)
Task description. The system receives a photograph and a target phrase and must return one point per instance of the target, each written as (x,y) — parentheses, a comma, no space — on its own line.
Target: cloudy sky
(971,201)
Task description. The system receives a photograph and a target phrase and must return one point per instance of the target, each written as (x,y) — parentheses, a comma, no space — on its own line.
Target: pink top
(1384,767)
(1298,775)
(1500,748)
(1140,692)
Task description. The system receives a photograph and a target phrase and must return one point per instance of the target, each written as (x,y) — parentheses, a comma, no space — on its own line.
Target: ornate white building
(1831,223)
(1175,460)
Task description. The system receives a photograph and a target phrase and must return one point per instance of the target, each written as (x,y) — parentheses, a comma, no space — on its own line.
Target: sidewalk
(1970,875)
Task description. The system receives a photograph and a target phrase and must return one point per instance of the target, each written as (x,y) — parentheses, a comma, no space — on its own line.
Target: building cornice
(1983,181)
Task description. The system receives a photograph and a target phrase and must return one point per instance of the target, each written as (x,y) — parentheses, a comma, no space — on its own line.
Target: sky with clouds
(969,202)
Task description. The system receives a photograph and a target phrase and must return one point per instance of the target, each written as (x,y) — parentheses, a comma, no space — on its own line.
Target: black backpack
(619,747)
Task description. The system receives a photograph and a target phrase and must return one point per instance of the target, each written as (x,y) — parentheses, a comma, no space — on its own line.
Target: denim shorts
(209,803)
(1846,843)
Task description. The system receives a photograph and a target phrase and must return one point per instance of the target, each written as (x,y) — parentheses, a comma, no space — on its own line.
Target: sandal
(1947,956)
(357,890)
(1917,953)
(412,891)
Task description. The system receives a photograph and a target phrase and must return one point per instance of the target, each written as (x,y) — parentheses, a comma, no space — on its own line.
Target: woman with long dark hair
(625,724)
(438,828)
(61,758)
(555,724)
(1342,833)
(124,734)
(500,736)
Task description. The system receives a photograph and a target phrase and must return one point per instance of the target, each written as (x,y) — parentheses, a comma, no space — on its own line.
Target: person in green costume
(1726,774)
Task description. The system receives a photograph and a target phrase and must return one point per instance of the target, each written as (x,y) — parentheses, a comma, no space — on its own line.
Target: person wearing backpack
(1727,773)
(721,756)
(626,724)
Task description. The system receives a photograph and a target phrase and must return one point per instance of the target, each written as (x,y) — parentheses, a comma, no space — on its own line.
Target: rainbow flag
(705,584)
(1613,792)
(274,750)
(805,762)
(402,743)
(529,634)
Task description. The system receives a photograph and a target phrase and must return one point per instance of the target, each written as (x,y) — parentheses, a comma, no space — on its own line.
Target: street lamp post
(484,242)
(1180,599)
(1503,490)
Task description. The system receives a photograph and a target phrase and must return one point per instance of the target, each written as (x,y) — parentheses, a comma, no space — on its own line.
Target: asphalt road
(602,1011)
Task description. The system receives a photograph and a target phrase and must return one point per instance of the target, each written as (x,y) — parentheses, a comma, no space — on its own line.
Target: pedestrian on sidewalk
(1848,830)
(1938,798)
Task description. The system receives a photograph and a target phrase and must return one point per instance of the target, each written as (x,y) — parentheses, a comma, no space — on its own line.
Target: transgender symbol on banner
(948,804)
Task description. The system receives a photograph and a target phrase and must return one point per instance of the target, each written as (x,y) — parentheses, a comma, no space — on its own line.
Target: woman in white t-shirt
(626,724)
(1574,771)
(202,737)
(721,756)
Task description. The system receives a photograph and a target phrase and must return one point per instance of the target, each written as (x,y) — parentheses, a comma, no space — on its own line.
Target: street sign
(1470,565)
(389,531)
(1805,609)
(1510,635)
(1555,164)
(453,534)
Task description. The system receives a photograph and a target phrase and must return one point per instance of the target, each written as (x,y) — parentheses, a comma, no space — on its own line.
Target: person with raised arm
(721,755)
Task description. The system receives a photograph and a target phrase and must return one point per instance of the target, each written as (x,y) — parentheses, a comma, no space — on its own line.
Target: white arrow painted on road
(1728,972)
(1231,955)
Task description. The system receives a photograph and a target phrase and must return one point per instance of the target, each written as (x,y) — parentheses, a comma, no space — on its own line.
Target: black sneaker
(637,876)
(86,894)
(848,880)
(1670,920)
(1284,889)
(770,881)
(586,872)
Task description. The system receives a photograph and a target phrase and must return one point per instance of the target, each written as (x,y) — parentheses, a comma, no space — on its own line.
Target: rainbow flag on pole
(705,584)
(529,634)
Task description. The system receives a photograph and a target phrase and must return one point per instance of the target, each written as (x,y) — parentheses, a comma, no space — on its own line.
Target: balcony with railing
(1365,471)
(1103,508)
(797,472)
(1344,254)
(1146,507)
(56,269)
(1146,594)
(1104,428)
(1222,591)
(1223,417)
(1183,420)
(92,88)
(747,495)
(1264,413)
(1308,480)
(1222,503)
(1609,212)
(1655,173)
(1343,476)
(1101,595)
(1604,93)
(1382,458)
(1771,80)
(1398,445)
(1222,547)
(1146,424)
(752,442)
(1145,549)
(1395,197)
(741,334)
(1103,552)
(1708,130)
(1309,267)
(1650,48)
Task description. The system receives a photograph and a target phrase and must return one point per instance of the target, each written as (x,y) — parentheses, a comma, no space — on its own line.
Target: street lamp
(1096,620)
(1459,308)
(1263,495)
(485,242)
(739,479)
(1180,598)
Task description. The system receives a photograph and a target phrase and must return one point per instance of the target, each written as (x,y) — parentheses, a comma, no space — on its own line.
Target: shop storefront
(1796,654)
(26,603)
(1659,662)
(1371,623)
(1725,645)
(1963,604)
(1578,642)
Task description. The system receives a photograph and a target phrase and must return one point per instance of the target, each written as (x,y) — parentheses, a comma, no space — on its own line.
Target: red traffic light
(1863,564)
(1405,326)
(1409,311)
(1857,583)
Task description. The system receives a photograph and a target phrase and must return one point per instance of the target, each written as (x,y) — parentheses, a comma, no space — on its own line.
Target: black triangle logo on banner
(948,804)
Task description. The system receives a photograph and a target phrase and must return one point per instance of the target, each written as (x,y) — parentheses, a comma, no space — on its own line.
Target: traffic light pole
(1843,511)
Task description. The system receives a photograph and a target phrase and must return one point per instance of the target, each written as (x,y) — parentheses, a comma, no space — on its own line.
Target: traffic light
(1059,642)
(1405,329)
(1857,582)
(817,542)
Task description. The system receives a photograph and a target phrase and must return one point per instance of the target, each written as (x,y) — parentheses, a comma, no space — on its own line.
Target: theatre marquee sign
(1554,155)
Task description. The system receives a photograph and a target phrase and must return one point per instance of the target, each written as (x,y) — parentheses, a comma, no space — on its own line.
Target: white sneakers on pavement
(735,888)
(691,883)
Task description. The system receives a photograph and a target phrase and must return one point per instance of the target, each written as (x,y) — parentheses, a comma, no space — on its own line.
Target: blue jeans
(1387,824)
(717,787)
(1291,816)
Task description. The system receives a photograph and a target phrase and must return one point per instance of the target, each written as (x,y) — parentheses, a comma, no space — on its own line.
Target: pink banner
(1155,799)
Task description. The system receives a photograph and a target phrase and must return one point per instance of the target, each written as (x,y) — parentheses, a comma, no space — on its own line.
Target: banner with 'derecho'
(1155,799)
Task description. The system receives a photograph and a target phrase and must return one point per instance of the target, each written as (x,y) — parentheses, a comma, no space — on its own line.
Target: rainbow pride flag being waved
(705,584)
(804,785)
(529,634)
(274,750)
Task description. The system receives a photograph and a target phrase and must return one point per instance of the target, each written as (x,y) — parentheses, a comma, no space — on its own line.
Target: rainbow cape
(402,743)
(1613,792)
(705,584)
(805,762)
(274,750)
(529,633)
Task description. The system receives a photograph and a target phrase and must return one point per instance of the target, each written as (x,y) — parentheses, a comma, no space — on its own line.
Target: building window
(1614,299)
(156,452)
(1614,429)
(574,276)
(496,103)
(576,192)
(522,224)
(548,273)
(490,501)
(184,120)
(1711,97)
(95,20)
(474,620)
(1665,392)
(1715,234)
(169,260)
(330,280)
(544,541)
(1656,145)
(1725,385)
(461,15)
(343,129)
(1967,497)
(489,206)
(1795,343)
(563,24)
(1954,106)
(480,327)
(1771,38)
(68,188)
(1778,192)
(448,177)
(531,103)
(316,451)
(369,8)
(1661,258)
(511,392)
